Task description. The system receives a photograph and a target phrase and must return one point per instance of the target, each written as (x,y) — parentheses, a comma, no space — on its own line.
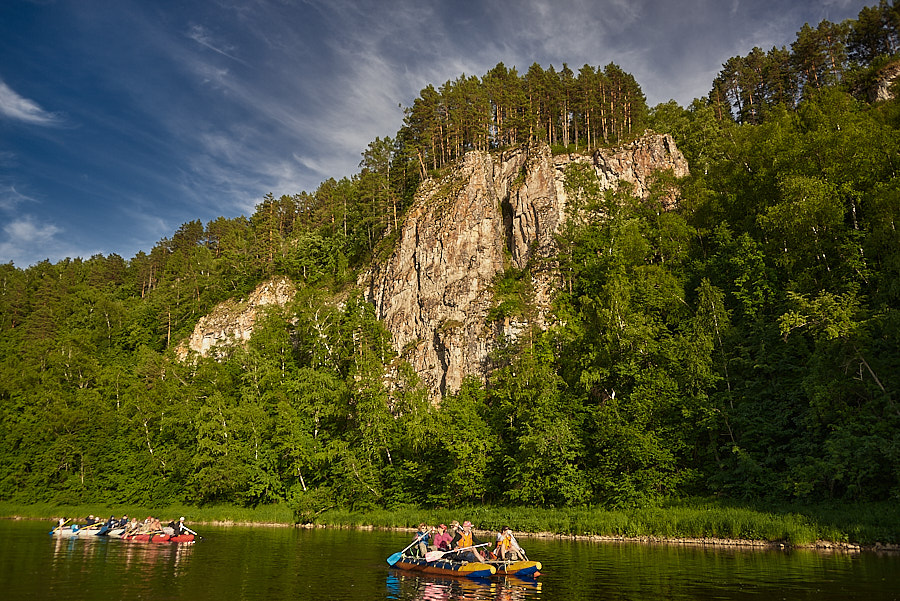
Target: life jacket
(465,539)
(503,544)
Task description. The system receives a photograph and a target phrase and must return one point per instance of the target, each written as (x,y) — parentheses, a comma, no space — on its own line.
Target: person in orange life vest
(465,538)
(442,539)
(508,548)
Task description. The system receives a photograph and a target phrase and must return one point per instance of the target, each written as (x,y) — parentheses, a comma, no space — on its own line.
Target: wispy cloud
(17,107)
(202,36)
(24,240)
(10,198)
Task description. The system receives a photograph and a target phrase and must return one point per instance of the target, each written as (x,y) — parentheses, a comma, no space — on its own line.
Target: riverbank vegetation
(692,519)
(742,344)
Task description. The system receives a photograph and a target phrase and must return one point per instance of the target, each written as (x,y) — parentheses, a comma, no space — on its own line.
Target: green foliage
(741,344)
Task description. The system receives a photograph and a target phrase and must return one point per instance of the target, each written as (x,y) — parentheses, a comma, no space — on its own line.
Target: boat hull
(522,569)
(446,567)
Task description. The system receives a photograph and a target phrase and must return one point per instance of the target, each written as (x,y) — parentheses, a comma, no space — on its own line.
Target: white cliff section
(434,292)
(232,322)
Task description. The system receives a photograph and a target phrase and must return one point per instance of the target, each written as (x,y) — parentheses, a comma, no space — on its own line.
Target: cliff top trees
(559,108)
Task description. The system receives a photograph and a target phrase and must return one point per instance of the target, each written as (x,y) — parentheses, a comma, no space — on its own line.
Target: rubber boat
(159,537)
(155,537)
(446,567)
(520,569)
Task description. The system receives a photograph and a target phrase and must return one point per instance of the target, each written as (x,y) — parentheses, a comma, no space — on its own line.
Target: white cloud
(10,198)
(28,242)
(16,107)
(202,36)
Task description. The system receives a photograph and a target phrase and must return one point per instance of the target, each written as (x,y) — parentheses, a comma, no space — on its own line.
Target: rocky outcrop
(434,291)
(231,322)
(884,82)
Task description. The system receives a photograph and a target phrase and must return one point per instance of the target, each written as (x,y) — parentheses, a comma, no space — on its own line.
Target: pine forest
(743,345)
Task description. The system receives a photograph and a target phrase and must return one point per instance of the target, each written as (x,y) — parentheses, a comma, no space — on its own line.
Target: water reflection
(142,564)
(419,587)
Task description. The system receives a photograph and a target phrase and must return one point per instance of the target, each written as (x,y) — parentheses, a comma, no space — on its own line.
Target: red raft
(160,537)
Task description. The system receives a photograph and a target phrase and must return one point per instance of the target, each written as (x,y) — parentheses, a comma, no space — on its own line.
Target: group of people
(133,526)
(459,542)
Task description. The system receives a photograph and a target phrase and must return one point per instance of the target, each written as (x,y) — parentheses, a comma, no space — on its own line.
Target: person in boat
(132,526)
(508,548)
(422,536)
(466,538)
(123,522)
(90,521)
(453,529)
(61,522)
(178,528)
(442,539)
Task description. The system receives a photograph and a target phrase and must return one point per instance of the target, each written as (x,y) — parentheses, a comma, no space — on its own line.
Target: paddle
(396,556)
(183,527)
(435,555)
(60,526)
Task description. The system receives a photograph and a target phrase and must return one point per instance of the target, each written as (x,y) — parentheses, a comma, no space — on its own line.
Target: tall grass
(694,519)
(863,524)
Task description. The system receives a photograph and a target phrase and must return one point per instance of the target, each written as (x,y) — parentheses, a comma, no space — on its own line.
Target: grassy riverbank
(695,519)
(264,514)
(861,524)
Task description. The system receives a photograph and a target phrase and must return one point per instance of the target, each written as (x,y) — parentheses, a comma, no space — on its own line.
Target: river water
(274,564)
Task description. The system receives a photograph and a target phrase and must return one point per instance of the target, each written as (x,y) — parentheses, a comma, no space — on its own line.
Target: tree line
(744,344)
(589,109)
(850,53)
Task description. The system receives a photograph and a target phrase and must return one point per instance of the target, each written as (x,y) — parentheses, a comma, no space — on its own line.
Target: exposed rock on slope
(231,322)
(434,292)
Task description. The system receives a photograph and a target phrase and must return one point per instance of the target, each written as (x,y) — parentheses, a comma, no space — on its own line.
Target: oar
(435,555)
(183,527)
(396,556)
(60,526)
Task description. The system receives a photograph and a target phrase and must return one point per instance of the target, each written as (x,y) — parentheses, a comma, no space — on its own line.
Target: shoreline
(822,546)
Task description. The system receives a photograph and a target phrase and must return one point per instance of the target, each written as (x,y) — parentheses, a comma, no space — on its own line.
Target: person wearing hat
(466,538)
(442,539)
(508,548)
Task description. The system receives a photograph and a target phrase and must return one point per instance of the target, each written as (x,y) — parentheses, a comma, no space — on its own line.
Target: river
(274,564)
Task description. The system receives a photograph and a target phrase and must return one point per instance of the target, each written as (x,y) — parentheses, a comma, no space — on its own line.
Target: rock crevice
(492,212)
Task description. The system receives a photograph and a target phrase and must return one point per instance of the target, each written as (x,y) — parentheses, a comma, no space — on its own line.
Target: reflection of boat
(430,587)
(445,567)
(516,568)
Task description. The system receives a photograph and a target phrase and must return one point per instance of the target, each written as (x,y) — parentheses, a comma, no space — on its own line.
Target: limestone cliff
(434,291)
(232,322)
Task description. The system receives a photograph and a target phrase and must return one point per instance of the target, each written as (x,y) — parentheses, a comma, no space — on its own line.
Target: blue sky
(122,119)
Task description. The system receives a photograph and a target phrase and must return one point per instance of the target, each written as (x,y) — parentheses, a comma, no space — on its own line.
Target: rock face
(885,80)
(232,322)
(434,292)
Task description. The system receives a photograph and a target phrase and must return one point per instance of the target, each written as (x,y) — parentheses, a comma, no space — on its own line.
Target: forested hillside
(744,344)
